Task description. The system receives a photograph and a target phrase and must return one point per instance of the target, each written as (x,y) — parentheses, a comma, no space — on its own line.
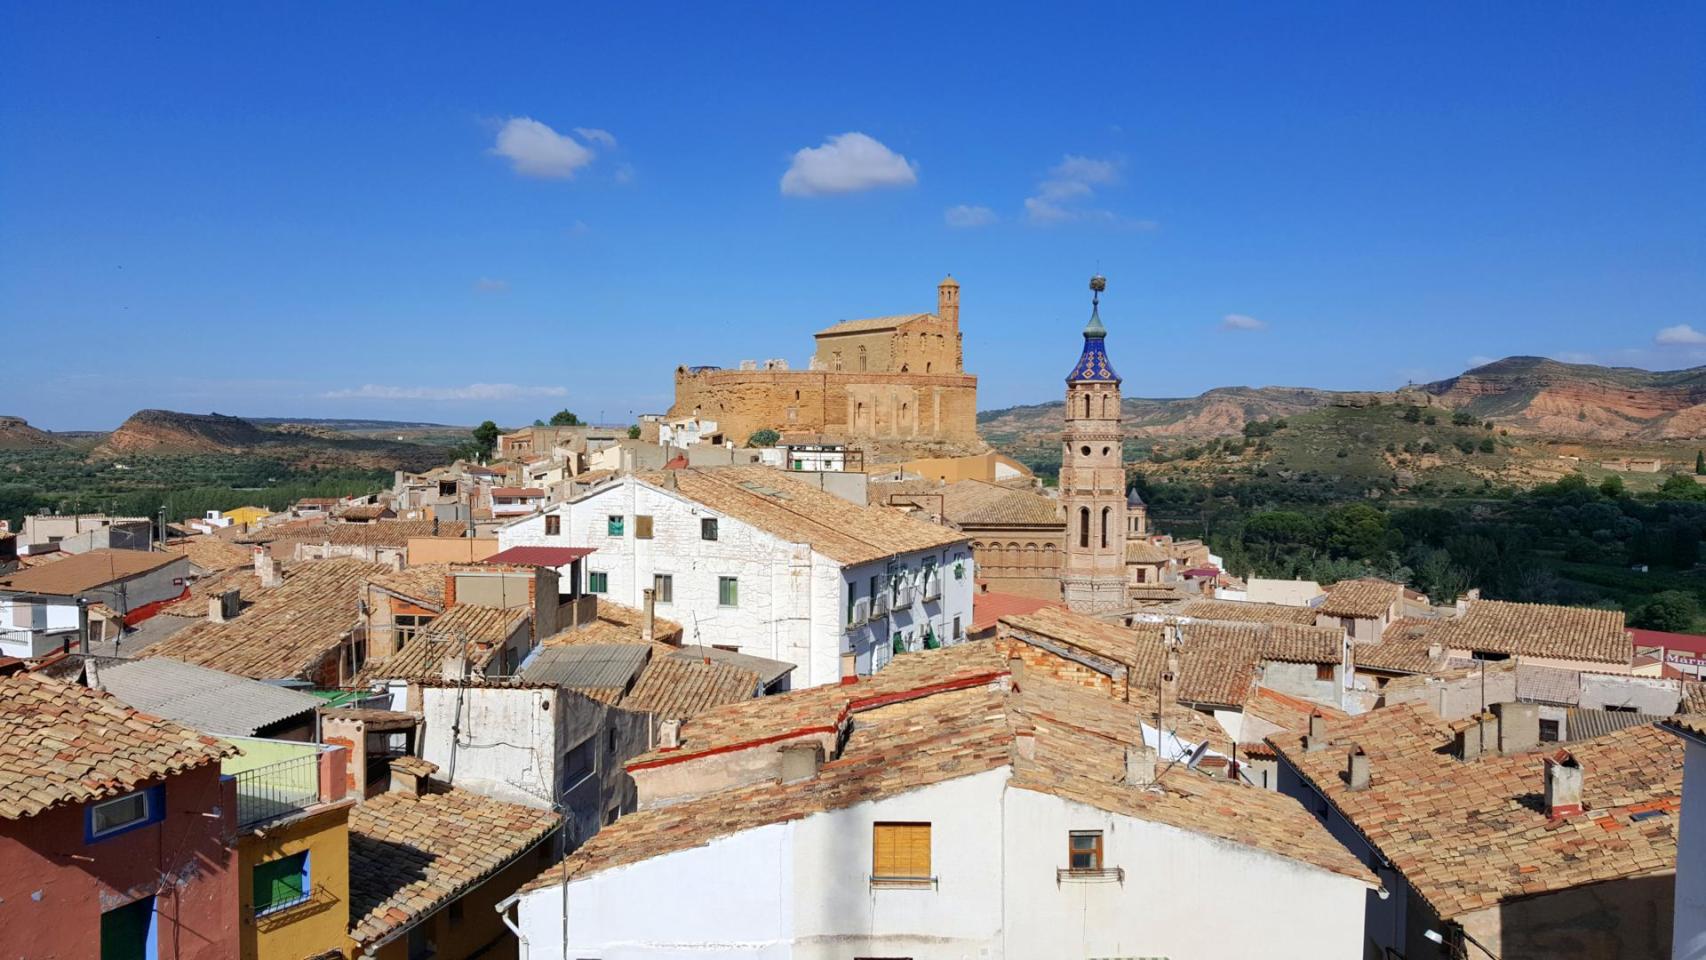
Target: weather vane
(1098,283)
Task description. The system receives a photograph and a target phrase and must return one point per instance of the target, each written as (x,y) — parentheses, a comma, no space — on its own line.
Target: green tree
(1700,463)
(763,438)
(1672,611)
(1488,446)
(1678,486)
(634,432)
(486,438)
(1612,486)
(1413,415)
(565,418)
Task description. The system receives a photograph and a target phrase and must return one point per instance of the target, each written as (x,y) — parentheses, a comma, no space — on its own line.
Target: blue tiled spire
(1093,364)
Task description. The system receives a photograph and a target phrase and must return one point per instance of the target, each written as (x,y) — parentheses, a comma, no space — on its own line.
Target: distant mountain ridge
(1525,395)
(168,432)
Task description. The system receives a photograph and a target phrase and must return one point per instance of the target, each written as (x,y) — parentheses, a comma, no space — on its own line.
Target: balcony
(932,589)
(861,613)
(880,605)
(281,779)
(903,595)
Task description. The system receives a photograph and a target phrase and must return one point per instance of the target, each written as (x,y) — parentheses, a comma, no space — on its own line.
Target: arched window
(1104,404)
(927,365)
(835,360)
(1084,526)
(1106,511)
(1086,404)
(861,359)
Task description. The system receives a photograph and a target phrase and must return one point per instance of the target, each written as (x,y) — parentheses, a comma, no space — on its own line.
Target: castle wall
(874,405)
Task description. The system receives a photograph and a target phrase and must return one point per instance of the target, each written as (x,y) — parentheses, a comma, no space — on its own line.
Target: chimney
(435,523)
(1563,785)
(1317,737)
(266,568)
(669,734)
(1519,726)
(1139,765)
(849,668)
(1472,739)
(225,606)
(800,761)
(1357,771)
(649,622)
(412,776)
(450,590)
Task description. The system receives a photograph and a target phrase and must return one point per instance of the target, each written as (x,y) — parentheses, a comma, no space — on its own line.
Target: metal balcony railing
(277,790)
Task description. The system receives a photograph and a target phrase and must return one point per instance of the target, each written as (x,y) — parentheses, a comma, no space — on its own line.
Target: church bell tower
(1092,476)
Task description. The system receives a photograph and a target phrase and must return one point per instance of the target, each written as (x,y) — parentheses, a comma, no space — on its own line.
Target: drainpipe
(503,914)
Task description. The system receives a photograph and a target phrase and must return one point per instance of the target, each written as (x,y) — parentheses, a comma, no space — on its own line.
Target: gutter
(502,908)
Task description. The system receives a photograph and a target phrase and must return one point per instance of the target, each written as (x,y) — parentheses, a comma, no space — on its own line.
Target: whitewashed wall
(1688,939)
(793,600)
(508,744)
(804,891)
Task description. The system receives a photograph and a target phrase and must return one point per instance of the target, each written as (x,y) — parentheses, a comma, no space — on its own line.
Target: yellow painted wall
(320,924)
(247,514)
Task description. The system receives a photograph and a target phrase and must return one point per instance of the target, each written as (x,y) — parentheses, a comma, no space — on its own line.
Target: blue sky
(453,212)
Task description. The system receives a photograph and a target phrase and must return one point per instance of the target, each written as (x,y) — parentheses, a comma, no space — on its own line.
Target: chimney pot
(1317,737)
(1472,739)
(800,761)
(1563,785)
(1358,771)
(669,734)
(849,668)
(1139,765)
(1519,726)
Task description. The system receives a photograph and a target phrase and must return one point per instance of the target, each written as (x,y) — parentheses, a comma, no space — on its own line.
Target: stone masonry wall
(878,405)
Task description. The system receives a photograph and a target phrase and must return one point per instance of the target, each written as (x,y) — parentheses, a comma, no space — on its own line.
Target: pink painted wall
(54,886)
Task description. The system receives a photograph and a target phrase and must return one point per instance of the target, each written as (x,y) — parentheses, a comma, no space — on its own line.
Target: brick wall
(880,405)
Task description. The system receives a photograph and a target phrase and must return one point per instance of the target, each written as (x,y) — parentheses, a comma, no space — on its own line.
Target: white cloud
(1065,194)
(969,215)
(535,150)
(1479,360)
(1241,322)
(846,163)
(473,391)
(1682,333)
(491,285)
(595,135)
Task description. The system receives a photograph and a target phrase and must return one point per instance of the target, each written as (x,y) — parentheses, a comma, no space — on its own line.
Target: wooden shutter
(900,850)
(643,527)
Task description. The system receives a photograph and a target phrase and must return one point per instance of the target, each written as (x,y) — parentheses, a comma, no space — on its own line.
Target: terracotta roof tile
(926,735)
(1242,611)
(1366,598)
(1402,648)
(287,631)
(479,630)
(873,324)
(1538,630)
(82,572)
(674,687)
(423,583)
(411,855)
(208,552)
(793,511)
(616,623)
(1470,834)
(65,743)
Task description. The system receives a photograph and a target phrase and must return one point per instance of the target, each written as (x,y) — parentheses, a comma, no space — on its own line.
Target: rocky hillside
(168,433)
(17,434)
(1539,396)
(1524,395)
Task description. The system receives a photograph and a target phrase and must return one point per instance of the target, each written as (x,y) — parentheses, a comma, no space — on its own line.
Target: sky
(454,212)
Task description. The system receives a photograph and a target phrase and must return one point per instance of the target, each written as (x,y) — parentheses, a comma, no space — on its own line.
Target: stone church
(895,378)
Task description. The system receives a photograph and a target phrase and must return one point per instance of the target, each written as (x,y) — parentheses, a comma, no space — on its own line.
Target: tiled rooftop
(478,630)
(1538,630)
(82,572)
(1402,648)
(423,583)
(873,324)
(1242,611)
(1469,834)
(918,736)
(1365,599)
(208,552)
(616,623)
(676,687)
(65,743)
(411,855)
(796,512)
(286,631)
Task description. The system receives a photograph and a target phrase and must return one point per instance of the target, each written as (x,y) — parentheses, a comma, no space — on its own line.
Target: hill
(1540,396)
(17,434)
(1544,417)
(170,433)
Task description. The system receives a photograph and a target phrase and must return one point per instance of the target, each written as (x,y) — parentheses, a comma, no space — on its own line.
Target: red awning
(539,556)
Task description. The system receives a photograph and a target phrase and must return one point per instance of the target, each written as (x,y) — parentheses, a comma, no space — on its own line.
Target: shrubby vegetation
(1566,542)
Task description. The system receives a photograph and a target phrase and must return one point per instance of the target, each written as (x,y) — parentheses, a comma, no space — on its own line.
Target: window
(509,662)
(611,815)
(1105,512)
(128,932)
(958,633)
(728,592)
(708,528)
(578,763)
(1323,671)
(1083,526)
(281,883)
(1084,850)
(597,581)
(553,525)
(613,526)
(125,813)
(404,627)
(642,527)
(852,599)
(900,851)
(663,588)
(873,588)
(1548,731)
(611,737)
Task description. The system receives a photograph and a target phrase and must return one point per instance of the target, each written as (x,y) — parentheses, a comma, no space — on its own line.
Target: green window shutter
(280,883)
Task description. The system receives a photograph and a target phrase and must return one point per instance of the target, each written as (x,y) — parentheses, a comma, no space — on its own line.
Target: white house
(1688,925)
(940,810)
(687,431)
(39,606)
(753,560)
